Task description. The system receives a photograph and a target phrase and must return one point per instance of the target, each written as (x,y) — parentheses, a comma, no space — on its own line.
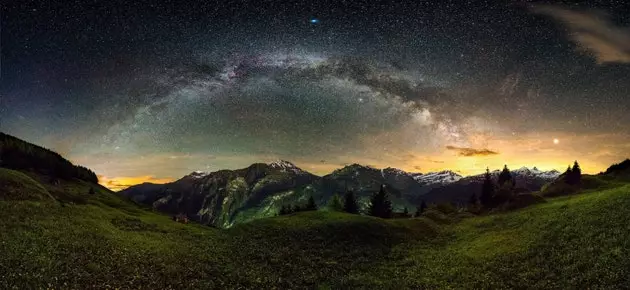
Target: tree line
(503,191)
(493,194)
(21,155)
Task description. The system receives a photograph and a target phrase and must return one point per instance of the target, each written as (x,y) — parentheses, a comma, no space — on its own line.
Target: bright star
(314,20)
(556,141)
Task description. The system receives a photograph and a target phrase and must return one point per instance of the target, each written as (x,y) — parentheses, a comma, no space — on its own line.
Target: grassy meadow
(80,240)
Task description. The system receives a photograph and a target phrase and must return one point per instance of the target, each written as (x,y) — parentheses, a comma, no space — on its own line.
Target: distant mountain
(437,178)
(225,197)
(460,191)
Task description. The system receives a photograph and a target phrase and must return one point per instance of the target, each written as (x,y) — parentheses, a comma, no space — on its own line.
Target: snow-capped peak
(198,174)
(440,177)
(394,171)
(551,174)
(285,166)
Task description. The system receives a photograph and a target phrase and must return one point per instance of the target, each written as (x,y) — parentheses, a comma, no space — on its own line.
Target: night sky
(152,90)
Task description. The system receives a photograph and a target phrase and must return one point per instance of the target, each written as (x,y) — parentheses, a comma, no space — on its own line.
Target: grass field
(101,241)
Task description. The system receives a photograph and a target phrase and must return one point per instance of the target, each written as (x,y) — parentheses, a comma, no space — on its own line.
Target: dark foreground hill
(105,241)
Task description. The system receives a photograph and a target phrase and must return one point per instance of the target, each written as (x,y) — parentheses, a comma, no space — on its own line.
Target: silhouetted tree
(350,203)
(310,206)
(421,208)
(406,212)
(283,210)
(567,175)
(487,189)
(474,200)
(335,203)
(505,177)
(576,173)
(380,205)
(296,208)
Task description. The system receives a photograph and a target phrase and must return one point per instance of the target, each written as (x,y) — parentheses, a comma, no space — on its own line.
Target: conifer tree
(311,206)
(505,177)
(296,208)
(350,203)
(380,205)
(283,210)
(406,212)
(335,203)
(487,189)
(576,173)
(474,200)
(421,209)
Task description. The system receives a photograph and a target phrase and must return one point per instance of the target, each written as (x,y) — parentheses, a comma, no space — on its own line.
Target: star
(314,20)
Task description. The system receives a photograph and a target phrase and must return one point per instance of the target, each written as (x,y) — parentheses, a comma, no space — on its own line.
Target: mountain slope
(227,197)
(527,180)
(20,155)
(15,185)
(224,197)
(569,242)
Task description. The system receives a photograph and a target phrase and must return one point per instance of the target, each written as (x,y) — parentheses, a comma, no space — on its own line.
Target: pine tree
(283,210)
(487,189)
(350,203)
(474,200)
(576,173)
(505,177)
(567,175)
(421,209)
(406,212)
(380,205)
(296,208)
(335,203)
(311,206)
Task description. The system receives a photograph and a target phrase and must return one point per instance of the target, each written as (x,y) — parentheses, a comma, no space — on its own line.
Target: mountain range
(226,197)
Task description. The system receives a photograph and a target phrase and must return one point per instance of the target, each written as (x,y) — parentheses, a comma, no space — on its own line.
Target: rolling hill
(86,236)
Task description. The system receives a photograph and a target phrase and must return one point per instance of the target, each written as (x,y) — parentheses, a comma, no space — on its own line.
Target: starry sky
(152,90)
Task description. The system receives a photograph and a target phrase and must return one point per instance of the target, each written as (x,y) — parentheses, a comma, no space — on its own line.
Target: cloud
(593,32)
(462,151)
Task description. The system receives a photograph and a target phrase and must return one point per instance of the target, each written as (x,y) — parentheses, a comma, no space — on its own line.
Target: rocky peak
(197,174)
(440,177)
(285,166)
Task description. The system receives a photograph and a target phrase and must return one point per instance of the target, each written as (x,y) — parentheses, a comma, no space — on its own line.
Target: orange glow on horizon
(120,183)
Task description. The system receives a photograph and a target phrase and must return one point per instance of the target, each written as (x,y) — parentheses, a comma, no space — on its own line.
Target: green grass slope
(571,242)
(102,240)
(15,185)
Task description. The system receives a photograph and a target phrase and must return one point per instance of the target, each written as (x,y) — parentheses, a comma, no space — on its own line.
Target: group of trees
(380,205)
(21,155)
(348,204)
(289,209)
(573,175)
(494,194)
